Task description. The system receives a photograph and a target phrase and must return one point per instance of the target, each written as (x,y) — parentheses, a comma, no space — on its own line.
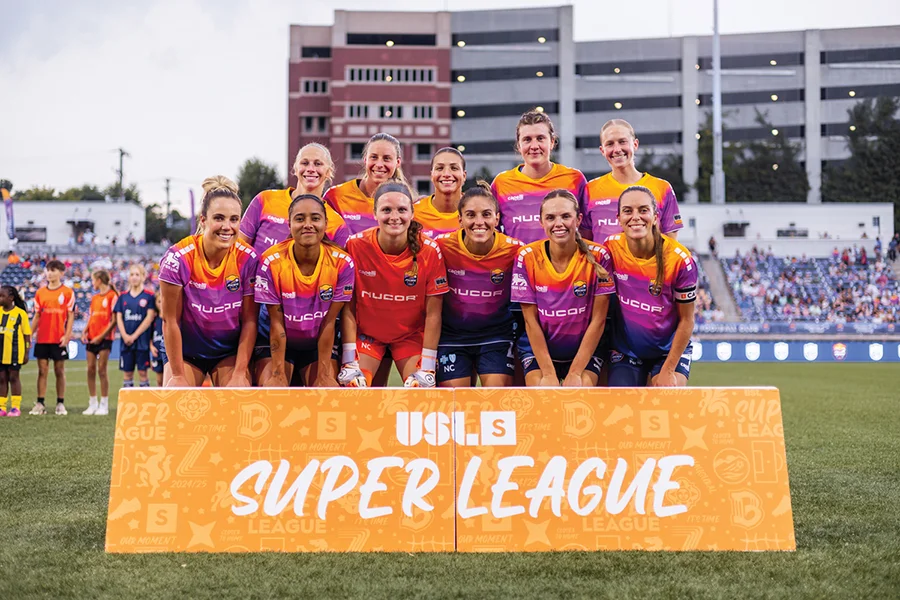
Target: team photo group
(539,278)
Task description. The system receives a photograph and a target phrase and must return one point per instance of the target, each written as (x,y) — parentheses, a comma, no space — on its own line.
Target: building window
(859,55)
(752,61)
(390,111)
(315,86)
(423,152)
(609,104)
(505,73)
(391,39)
(423,187)
(355,150)
(308,124)
(322,124)
(358,111)
(491,38)
(501,110)
(423,112)
(379,75)
(315,52)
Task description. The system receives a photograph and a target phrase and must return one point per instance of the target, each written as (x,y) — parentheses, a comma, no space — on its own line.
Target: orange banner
(439,470)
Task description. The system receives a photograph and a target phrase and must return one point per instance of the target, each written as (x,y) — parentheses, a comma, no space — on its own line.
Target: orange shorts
(401,349)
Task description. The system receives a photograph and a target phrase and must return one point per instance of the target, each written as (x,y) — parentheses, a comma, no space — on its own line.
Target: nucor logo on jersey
(319,314)
(639,305)
(389,297)
(563,312)
(476,293)
(526,219)
(215,310)
(498,428)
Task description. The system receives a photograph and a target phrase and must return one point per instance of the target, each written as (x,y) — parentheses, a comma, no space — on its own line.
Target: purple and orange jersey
(211,308)
(476,311)
(647,314)
(520,198)
(434,221)
(565,301)
(601,217)
(265,222)
(357,209)
(305,300)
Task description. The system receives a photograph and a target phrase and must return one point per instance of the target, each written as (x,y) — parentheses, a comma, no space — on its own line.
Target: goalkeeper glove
(424,375)
(350,375)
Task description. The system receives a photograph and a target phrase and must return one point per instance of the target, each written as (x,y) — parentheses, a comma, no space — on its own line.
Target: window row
(315,86)
(397,75)
(417,112)
(314,124)
(505,73)
(391,39)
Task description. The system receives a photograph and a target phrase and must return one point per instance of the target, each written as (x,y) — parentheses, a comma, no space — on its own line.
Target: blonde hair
(217,186)
(141,269)
(617,123)
(296,168)
(579,241)
(397,175)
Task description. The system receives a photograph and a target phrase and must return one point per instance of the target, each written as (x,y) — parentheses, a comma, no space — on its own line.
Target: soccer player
(158,343)
(400,278)
(656,285)
(353,199)
(15,339)
(265,222)
(563,293)
(618,144)
(54,316)
(97,338)
(521,191)
(477,325)
(438,213)
(305,282)
(209,316)
(135,311)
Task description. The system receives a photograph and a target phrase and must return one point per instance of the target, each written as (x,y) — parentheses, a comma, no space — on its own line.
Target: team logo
(615,357)
(839,351)
(348,290)
(497,276)
(876,351)
(781,351)
(655,289)
(105,303)
(61,299)
(810,351)
(326,292)
(751,351)
(526,362)
(580,289)
(410,278)
(143,303)
(696,351)
(723,351)
(232,283)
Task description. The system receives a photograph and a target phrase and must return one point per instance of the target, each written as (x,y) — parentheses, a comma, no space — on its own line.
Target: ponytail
(103,276)
(18,302)
(414,243)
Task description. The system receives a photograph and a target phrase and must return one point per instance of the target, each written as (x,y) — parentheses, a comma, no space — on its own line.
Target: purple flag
(193,218)
(10,222)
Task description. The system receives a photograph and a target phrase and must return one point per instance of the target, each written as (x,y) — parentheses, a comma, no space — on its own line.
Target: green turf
(843,442)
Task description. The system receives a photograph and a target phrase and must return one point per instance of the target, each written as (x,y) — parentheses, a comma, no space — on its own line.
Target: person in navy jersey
(135,311)
(158,344)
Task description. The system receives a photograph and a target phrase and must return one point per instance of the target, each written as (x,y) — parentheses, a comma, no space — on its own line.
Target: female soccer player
(265,223)
(618,144)
(521,191)
(305,282)
(438,213)
(15,342)
(158,344)
(135,311)
(556,281)
(400,278)
(477,325)
(207,286)
(98,338)
(353,199)
(656,285)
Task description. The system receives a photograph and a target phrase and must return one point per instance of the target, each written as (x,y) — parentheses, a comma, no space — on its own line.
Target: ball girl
(477,325)
(15,343)
(400,280)
(439,212)
(209,317)
(158,343)
(135,311)
(98,338)
(563,292)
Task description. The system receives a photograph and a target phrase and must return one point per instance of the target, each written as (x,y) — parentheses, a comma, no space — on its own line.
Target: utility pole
(121,171)
(168,206)
(718,179)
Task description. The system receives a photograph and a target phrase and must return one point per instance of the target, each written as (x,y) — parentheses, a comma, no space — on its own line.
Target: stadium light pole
(718,179)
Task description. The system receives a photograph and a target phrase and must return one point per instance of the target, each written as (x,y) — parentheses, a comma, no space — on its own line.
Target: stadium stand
(846,288)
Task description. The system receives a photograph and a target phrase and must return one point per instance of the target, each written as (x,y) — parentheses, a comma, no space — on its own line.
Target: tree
(256,176)
(156,228)
(872,173)
(85,192)
(131,193)
(668,167)
(35,194)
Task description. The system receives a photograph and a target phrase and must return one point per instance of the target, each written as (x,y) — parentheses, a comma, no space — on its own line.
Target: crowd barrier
(442,470)
(801,351)
(795,327)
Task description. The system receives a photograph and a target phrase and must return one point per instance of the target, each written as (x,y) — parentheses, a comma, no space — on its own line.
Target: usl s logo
(498,428)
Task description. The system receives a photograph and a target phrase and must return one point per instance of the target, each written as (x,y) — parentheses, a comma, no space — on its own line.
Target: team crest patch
(810,351)
(655,289)
(876,352)
(105,303)
(326,292)
(580,289)
(615,357)
(143,303)
(782,350)
(497,276)
(61,299)
(839,351)
(410,278)
(232,283)
(526,362)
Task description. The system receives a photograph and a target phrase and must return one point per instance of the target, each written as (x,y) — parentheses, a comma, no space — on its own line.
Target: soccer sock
(17,402)
(60,400)
(92,399)
(128,383)
(104,401)
(40,400)
(145,383)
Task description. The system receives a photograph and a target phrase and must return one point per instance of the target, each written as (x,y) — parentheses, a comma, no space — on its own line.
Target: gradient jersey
(265,223)
(434,221)
(304,299)
(644,322)
(520,198)
(476,311)
(211,308)
(565,301)
(390,293)
(101,315)
(54,307)
(357,209)
(134,310)
(601,217)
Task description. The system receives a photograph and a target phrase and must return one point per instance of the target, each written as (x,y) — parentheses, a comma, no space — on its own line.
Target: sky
(192,88)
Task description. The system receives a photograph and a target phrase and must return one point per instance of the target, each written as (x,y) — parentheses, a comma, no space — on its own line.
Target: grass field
(842,428)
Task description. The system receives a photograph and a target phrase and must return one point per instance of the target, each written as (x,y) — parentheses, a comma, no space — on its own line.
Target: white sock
(92,401)
(104,401)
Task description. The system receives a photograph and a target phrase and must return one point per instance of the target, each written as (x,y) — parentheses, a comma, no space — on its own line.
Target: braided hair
(18,302)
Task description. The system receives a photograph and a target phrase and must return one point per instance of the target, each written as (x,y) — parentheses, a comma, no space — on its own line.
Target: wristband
(348,353)
(429,359)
